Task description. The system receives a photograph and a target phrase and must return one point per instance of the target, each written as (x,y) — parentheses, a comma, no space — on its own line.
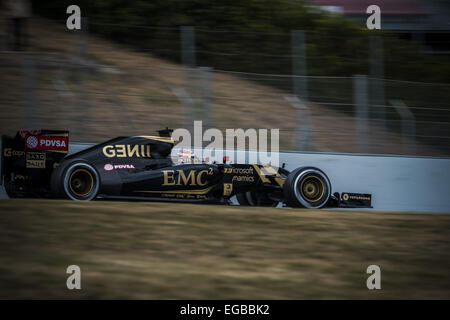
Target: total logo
(109,166)
(47,143)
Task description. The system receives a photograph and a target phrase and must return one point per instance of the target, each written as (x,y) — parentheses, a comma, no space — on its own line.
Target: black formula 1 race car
(37,164)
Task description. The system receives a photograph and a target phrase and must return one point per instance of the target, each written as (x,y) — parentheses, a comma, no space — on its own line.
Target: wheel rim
(312,188)
(81,182)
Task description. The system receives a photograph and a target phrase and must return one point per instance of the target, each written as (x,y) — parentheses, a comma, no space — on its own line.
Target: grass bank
(182,251)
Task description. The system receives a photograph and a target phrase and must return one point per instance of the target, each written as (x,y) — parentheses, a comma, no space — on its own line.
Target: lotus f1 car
(37,164)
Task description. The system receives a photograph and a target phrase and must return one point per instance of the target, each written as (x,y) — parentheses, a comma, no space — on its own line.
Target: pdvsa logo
(109,166)
(47,143)
(52,143)
(32,142)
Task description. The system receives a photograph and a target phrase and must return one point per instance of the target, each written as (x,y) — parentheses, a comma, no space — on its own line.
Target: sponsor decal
(127,151)
(243,179)
(359,198)
(183,196)
(350,196)
(24,133)
(239,170)
(182,178)
(8,152)
(227,189)
(47,143)
(109,166)
(32,142)
(35,160)
(124,166)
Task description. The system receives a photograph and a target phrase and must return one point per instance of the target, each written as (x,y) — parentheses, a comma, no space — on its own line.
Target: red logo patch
(47,143)
(109,166)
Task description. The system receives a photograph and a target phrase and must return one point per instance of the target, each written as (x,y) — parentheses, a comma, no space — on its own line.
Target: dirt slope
(181,251)
(111,90)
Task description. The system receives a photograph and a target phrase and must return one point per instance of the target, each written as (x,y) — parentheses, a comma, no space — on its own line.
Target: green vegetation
(169,251)
(257,37)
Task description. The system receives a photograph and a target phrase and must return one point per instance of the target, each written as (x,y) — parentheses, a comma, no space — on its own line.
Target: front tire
(307,187)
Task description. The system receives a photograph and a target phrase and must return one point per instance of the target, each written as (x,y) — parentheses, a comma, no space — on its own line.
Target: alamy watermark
(374,280)
(74,280)
(232,146)
(374,20)
(73,22)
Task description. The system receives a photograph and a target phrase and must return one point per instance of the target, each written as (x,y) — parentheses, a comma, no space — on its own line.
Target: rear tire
(77,181)
(307,187)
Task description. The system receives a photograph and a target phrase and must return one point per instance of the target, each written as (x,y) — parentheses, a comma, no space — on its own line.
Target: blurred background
(310,68)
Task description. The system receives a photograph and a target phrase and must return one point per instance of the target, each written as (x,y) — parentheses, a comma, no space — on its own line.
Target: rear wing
(28,159)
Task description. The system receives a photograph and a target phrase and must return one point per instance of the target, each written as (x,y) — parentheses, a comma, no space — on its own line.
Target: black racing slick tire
(307,187)
(76,180)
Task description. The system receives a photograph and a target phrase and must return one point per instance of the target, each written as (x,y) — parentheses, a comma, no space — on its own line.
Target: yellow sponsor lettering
(182,176)
(192,178)
(8,152)
(35,160)
(123,151)
(109,151)
(199,178)
(168,174)
(227,189)
(132,150)
(35,164)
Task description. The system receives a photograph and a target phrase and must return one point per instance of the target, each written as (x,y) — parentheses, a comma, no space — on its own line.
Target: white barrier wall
(397,183)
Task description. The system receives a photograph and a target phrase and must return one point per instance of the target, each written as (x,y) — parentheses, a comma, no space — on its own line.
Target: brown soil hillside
(109,90)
